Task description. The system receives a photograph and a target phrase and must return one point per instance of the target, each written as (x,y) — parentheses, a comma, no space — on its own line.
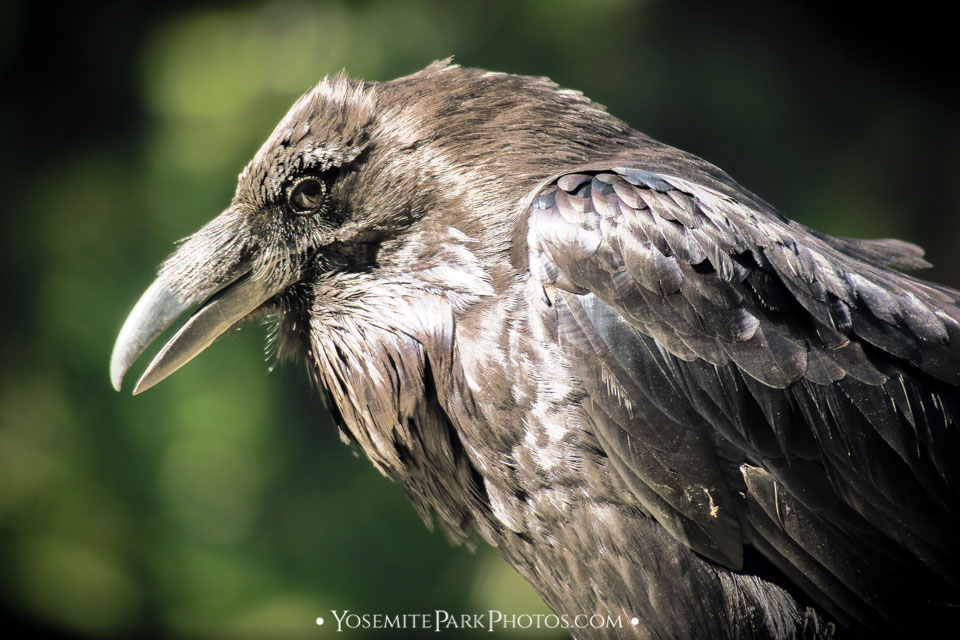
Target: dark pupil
(307,196)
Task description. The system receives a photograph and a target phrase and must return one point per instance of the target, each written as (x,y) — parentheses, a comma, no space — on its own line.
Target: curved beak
(159,308)
(218,280)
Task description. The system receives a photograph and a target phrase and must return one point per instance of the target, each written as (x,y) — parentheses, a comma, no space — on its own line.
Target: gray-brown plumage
(654,394)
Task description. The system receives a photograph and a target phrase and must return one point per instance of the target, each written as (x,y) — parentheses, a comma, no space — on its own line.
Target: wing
(763,386)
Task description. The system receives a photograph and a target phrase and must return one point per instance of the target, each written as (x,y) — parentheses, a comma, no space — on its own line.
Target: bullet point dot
(634,621)
(319,621)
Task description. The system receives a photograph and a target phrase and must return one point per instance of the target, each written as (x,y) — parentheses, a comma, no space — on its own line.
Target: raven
(654,394)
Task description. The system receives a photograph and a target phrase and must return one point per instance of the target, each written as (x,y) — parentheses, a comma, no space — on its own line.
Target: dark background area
(221,503)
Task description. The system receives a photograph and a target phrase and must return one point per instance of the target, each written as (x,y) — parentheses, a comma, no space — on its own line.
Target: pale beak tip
(143,384)
(153,313)
(117,371)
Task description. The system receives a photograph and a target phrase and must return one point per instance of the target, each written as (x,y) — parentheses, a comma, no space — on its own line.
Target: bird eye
(307,196)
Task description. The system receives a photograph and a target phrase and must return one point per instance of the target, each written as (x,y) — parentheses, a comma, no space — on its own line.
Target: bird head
(290,204)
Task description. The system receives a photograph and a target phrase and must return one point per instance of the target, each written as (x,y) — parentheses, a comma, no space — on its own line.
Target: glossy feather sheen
(655,395)
(813,421)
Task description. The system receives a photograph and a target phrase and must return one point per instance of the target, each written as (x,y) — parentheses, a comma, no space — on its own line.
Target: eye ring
(307,196)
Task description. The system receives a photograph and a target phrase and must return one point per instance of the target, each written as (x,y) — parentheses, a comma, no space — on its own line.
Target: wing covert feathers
(759,383)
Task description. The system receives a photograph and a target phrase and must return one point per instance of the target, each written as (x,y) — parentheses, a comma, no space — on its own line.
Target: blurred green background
(221,503)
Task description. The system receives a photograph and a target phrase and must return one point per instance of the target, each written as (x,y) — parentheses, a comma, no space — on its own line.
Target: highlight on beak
(159,307)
